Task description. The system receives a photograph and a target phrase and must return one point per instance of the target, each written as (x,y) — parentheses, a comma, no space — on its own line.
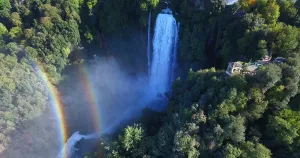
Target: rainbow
(55,101)
(91,94)
(57,105)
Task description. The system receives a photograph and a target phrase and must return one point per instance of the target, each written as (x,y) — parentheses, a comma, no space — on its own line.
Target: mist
(120,94)
(36,138)
(116,91)
(119,84)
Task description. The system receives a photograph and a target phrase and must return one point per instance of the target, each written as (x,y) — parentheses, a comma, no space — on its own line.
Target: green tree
(254,21)
(3,29)
(184,143)
(235,129)
(154,3)
(288,12)
(90,4)
(4,8)
(267,76)
(247,4)
(256,105)
(3,33)
(23,95)
(284,39)
(269,9)
(254,150)
(13,47)
(15,32)
(16,19)
(133,135)
(231,151)
(285,126)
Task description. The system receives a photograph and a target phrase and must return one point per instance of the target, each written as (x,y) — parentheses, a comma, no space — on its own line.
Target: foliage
(285,127)
(23,95)
(184,143)
(209,114)
(232,152)
(132,136)
(254,150)
(41,25)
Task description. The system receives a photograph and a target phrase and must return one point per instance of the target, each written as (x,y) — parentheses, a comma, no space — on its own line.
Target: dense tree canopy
(23,95)
(209,114)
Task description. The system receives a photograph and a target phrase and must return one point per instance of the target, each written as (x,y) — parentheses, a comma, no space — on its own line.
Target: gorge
(148,78)
(161,71)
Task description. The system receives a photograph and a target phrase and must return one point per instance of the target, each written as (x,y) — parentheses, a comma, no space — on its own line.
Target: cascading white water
(174,60)
(69,147)
(164,52)
(149,45)
(161,67)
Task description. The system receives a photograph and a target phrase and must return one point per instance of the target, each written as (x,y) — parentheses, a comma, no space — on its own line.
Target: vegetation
(213,115)
(39,31)
(23,95)
(209,113)
(48,31)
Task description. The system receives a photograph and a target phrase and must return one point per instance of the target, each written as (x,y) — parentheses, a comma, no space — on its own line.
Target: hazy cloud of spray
(116,91)
(121,88)
(120,96)
(35,138)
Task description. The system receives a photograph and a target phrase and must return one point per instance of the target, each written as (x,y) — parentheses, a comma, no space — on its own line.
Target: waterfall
(174,60)
(69,147)
(164,51)
(149,41)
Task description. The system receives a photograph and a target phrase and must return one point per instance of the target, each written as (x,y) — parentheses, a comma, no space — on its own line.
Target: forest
(209,114)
